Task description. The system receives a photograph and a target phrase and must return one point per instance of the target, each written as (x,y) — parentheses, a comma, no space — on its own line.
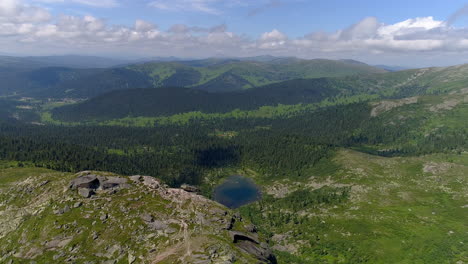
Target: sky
(405,33)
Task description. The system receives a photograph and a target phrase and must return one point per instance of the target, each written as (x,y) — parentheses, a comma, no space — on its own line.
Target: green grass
(397,213)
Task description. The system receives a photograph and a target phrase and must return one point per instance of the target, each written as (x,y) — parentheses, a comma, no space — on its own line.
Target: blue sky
(294,17)
(425,32)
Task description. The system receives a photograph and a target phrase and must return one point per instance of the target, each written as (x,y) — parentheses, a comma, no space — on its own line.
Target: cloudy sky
(397,32)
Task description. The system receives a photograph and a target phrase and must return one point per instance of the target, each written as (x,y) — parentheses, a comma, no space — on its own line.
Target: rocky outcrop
(251,244)
(162,224)
(88,183)
(190,188)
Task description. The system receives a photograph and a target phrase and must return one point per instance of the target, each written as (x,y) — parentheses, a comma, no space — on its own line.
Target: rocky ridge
(105,218)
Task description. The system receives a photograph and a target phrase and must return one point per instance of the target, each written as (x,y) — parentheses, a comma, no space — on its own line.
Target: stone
(158,225)
(103,217)
(131,258)
(86,181)
(262,254)
(77,204)
(251,245)
(190,188)
(228,223)
(151,182)
(112,182)
(251,228)
(239,236)
(59,255)
(44,183)
(136,178)
(85,192)
(147,218)
(63,210)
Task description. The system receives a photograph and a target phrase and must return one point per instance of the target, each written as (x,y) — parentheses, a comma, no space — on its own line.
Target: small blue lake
(236,191)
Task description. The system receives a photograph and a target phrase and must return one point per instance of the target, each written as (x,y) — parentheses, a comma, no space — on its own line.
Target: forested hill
(219,75)
(174,100)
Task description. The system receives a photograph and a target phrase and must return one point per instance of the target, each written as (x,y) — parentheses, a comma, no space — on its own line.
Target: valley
(353,164)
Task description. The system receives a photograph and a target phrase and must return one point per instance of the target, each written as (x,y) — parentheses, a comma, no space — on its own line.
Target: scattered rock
(63,210)
(77,204)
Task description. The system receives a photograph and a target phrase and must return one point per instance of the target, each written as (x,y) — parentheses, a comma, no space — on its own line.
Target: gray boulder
(86,181)
(85,192)
(113,182)
(147,218)
(190,188)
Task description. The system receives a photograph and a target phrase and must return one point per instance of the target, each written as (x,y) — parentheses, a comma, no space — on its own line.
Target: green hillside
(211,75)
(173,100)
(228,75)
(321,92)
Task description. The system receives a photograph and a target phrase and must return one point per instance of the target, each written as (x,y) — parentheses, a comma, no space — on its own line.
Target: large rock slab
(250,244)
(113,182)
(85,181)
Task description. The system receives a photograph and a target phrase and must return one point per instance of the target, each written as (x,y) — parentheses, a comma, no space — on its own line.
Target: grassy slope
(401,210)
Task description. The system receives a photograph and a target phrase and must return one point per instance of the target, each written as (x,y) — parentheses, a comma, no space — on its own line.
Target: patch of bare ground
(282,243)
(387,105)
(448,104)
(280,190)
(436,168)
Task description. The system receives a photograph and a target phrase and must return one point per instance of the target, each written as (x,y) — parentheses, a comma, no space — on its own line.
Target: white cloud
(28,28)
(272,40)
(94,3)
(205,6)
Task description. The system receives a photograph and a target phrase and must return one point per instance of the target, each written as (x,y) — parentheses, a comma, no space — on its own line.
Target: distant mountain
(391,68)
(69,61)
(214,75)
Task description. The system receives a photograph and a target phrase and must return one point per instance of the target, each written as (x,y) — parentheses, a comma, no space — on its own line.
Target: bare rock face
(190,188)
(251,245)
(85,181)
(88,183)
(113,182)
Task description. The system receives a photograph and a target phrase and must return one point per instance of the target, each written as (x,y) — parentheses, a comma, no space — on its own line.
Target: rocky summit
(96,217)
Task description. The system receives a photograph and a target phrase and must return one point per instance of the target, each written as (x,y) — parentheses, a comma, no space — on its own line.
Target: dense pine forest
(277,148)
